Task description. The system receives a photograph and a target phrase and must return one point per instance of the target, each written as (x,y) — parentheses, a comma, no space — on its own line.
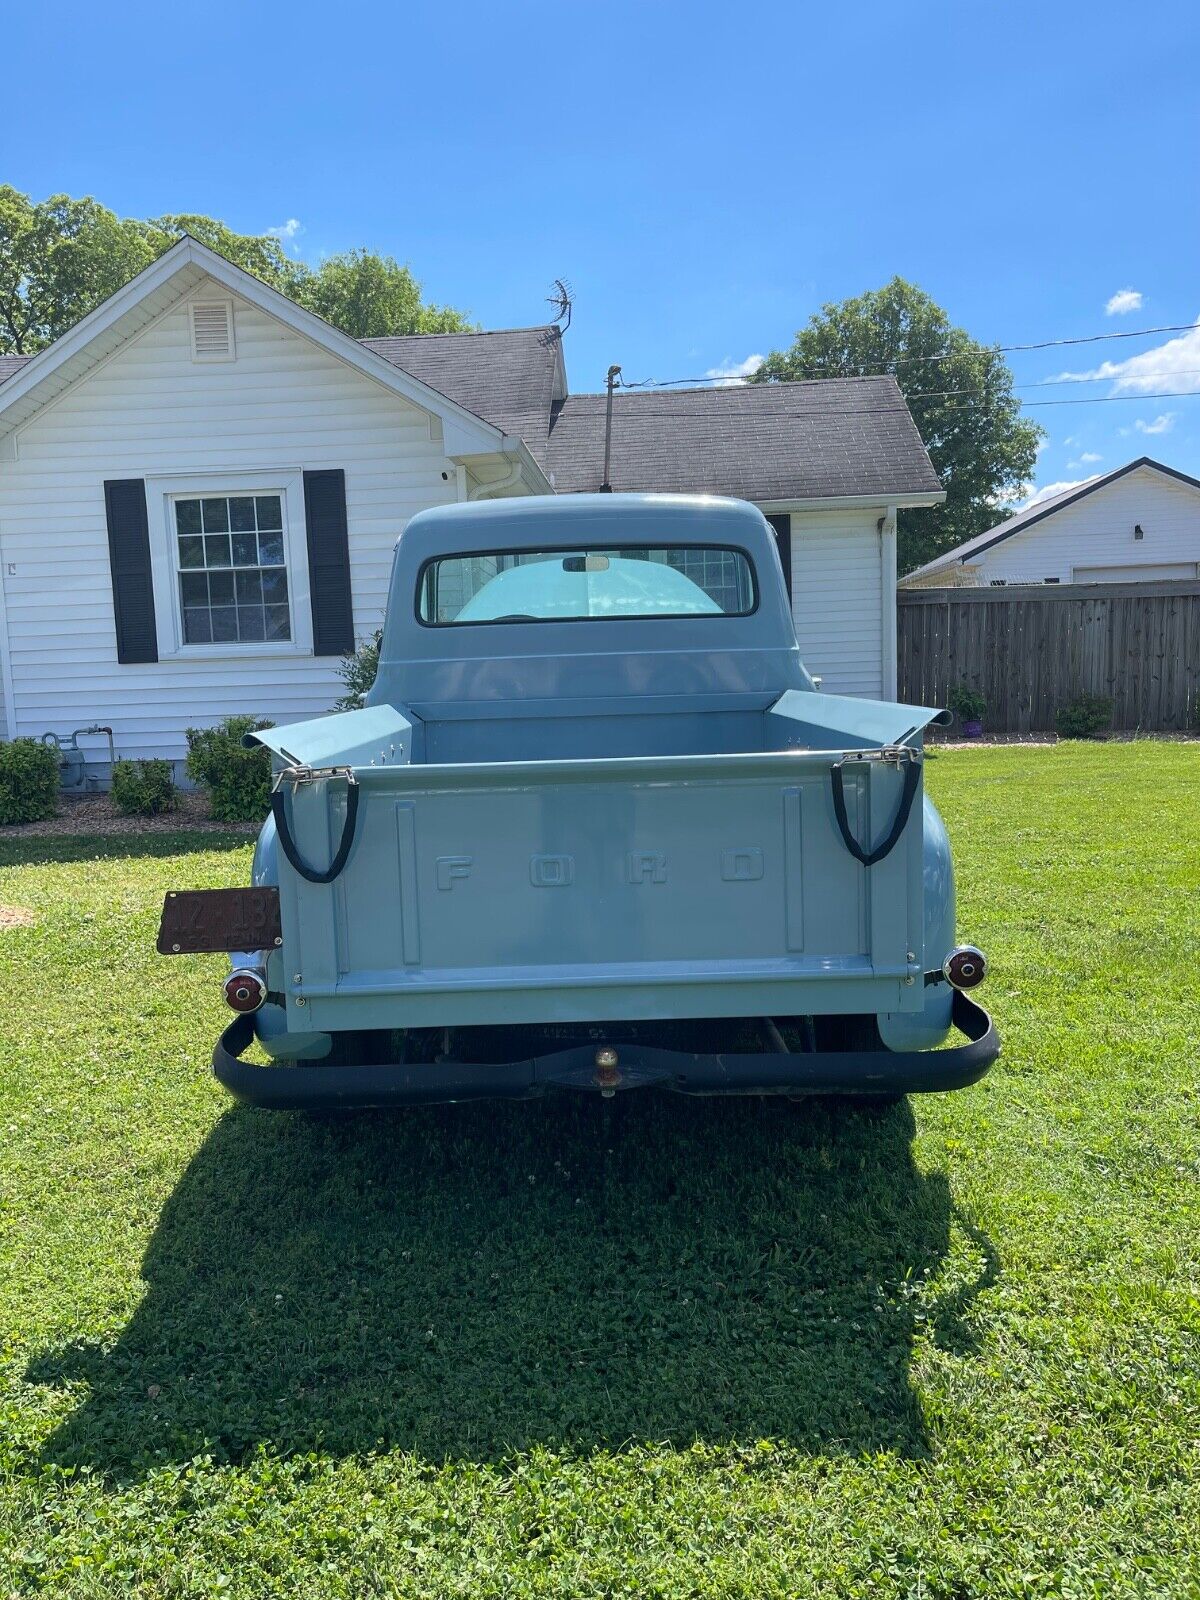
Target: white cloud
(1173,365)
(1123,301)
(1161,424)
(1088,457)
(1049,489)
(731,371)
(287,232)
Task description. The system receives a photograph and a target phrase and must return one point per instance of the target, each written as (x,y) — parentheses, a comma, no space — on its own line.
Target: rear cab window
(572,585)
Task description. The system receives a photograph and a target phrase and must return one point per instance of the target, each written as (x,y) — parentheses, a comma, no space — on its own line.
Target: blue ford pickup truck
(595,828)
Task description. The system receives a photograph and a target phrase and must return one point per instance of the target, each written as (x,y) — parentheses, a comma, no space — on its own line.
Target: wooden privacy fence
(1034,648)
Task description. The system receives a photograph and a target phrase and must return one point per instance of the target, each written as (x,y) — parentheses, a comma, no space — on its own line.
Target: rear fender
(925,1030)
(270,1020)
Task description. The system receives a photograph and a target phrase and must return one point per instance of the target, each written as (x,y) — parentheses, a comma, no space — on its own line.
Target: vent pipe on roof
(613,374)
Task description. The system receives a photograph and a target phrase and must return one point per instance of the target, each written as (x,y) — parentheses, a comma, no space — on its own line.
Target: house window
(232,570)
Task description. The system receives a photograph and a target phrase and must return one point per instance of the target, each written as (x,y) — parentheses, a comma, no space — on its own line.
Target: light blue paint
(604,819)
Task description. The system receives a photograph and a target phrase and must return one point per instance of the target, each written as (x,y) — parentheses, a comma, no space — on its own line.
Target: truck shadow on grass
(469,1281)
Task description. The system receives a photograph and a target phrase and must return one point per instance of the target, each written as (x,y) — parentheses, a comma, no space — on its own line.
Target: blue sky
(705,176)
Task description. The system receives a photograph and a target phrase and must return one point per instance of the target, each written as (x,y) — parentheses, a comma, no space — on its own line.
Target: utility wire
(1042,383)
(902,410)
(949,355)
(1054,383)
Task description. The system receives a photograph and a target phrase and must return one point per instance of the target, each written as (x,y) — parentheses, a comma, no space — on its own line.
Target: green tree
(960,393)
(370,296)
(257,253)
(59,258)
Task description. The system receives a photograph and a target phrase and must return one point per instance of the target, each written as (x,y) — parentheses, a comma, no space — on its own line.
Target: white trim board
(853,502)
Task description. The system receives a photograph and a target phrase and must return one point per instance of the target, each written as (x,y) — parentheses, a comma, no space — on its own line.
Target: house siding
(1095,532)
(283,406)
(837,598)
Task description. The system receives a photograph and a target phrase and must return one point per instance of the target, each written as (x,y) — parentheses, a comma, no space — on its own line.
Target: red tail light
(965,967)
(245,989)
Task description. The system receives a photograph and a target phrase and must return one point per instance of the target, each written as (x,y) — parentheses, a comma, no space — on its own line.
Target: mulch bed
(95,814)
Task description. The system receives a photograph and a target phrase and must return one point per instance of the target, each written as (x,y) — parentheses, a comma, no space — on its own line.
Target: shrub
(28,781)
(967,704)
(143,788)
(1084,718)
(238,780)
(357,672)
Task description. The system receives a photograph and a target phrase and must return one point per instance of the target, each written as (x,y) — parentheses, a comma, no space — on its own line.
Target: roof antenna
(613,374)
(560,302)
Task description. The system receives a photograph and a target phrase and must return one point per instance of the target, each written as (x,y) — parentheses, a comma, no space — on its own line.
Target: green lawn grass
(650,1347)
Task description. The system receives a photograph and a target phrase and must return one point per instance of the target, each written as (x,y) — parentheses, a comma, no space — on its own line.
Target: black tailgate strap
(288,844)
(912,776)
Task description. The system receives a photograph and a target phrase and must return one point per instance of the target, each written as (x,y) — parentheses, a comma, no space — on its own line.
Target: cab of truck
(595,626)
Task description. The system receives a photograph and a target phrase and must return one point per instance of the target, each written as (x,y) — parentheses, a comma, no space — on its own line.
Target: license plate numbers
(196,920)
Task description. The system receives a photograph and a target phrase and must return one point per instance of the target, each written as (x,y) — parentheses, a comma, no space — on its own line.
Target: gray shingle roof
(770,441)
(511,378)
(778,441)
(837,437)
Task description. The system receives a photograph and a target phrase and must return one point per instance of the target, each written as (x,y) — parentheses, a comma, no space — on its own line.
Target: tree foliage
(358,672)
(960,393)
(59,258)
(370,296)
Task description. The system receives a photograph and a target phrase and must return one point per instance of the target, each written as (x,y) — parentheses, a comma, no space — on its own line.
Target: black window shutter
(129,563)
(328,562)
(782,524)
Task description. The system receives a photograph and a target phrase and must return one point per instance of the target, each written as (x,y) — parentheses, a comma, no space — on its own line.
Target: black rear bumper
(864,1072)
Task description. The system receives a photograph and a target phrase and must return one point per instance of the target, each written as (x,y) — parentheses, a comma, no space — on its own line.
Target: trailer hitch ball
(245,989)
(965,967)
(607,1074)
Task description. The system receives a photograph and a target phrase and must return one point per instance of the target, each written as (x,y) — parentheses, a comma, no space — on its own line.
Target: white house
(201,485)
(1138,524)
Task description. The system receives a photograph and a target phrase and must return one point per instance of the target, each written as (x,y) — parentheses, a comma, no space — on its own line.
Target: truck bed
(622,888)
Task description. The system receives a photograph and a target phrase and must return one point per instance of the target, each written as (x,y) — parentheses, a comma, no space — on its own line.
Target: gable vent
(212,330)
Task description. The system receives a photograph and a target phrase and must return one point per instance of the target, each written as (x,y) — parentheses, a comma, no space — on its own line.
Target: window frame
(164,553)
(591,545)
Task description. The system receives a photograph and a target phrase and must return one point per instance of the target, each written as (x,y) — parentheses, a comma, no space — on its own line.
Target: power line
(1053,383)
(1041,383)
(1106,399)
(1001,349)
(829,413)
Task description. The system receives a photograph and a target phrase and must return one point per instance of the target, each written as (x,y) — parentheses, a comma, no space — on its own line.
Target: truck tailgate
(602,890)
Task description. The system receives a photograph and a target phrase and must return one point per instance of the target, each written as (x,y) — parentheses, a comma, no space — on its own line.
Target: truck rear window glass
(568,585)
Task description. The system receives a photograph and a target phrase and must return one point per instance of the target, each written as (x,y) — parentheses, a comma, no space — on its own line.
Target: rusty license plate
(195,920)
